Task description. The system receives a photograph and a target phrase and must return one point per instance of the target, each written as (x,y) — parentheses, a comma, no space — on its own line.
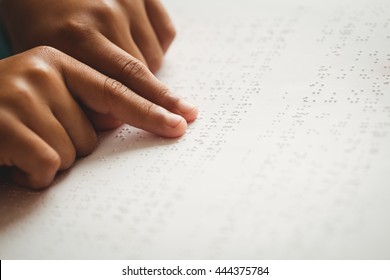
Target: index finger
(108,96)
(108,58)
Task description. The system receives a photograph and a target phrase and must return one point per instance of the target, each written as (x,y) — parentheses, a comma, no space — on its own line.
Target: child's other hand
(42,127)
(96,32)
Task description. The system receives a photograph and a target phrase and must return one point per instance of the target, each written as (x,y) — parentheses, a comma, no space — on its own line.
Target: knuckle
(163,92)
(149,108)
(74,29)
(146,110)
(22,98)
(46,50)
(39,63)
(114,92)
(133,68)
(39,72)
(105,12)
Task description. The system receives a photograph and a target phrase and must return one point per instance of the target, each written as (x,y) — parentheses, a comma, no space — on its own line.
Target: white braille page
(289,158)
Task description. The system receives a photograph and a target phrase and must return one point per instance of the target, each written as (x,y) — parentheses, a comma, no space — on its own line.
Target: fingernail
(185,107)
(173,120)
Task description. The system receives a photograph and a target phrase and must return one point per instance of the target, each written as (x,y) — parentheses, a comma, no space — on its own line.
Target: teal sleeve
(5,48)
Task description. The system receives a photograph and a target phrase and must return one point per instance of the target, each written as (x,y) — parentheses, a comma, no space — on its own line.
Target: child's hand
(42,127)
(95,32)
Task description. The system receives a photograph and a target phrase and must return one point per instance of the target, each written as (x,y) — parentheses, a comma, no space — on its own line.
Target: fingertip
(192,115)
(187,110)
(175,126)
(48,162)
(32,182)
(179,130)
